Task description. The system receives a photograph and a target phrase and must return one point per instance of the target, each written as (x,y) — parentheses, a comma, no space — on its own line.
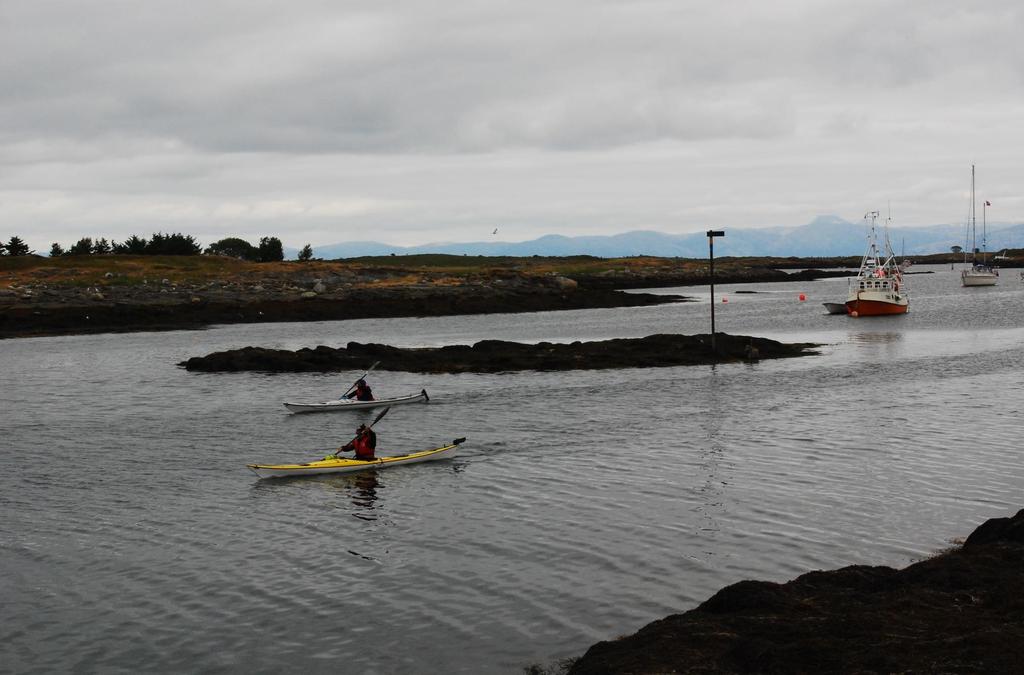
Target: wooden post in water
(711,274)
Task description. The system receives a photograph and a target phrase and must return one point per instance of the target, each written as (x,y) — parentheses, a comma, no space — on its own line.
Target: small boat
(835,307)
(878,288)
(353,404)
(347,465)
(904,263)
(979,273)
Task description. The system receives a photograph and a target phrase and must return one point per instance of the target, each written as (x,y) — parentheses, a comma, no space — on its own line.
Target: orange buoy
(802,297)
(725,299)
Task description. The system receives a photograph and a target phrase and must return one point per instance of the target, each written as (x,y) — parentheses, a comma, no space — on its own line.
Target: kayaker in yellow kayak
(364,444)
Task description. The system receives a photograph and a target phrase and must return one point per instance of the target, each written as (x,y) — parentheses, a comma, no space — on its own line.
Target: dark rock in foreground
(959,612)
(492,356)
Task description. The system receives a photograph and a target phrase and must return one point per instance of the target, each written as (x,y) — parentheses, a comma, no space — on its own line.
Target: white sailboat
(904,263)
(979,273)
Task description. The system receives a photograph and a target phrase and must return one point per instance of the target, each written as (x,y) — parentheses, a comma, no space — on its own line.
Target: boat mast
(890,257)
(870,259)
(984,233)
(974,223)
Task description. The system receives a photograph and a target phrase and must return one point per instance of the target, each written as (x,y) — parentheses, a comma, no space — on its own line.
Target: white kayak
(353,404)
(346,465)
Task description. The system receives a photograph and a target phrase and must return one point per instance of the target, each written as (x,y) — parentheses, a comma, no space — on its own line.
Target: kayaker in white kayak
(364,444)
(362,391)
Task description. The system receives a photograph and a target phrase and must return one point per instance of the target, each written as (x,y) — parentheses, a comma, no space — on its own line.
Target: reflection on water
(711,451)
(884,337)
(364,493)
(360,487)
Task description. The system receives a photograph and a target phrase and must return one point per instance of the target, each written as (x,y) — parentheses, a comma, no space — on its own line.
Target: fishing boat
(347,465)
(353,404)
(979,273)
(878,289)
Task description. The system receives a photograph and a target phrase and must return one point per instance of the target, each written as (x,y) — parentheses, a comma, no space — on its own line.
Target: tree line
(269,249)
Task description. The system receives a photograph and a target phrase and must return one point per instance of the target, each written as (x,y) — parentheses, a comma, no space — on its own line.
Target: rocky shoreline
(91,294)
(495,356)
(668,277)
(167,306)
(961,611)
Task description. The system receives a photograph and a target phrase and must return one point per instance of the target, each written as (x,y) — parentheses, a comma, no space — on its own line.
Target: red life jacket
(364,445)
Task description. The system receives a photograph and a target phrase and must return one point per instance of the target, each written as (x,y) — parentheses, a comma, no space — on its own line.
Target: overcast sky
(320,121)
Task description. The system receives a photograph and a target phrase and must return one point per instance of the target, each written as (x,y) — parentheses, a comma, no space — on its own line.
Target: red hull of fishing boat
(874,308)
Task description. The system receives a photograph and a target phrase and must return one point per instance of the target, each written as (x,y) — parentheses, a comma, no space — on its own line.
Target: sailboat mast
(984,231)
(974,223)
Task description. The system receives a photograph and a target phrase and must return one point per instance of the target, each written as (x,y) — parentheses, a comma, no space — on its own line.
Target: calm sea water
(584,504)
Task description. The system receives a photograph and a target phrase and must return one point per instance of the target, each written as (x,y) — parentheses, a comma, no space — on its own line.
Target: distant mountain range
(824,236)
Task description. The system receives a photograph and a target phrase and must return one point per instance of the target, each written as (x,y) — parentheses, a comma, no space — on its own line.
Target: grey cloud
(314,77)
(573,113)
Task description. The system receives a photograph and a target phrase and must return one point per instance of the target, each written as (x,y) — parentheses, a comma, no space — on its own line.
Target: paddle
(376,419)
(349,390)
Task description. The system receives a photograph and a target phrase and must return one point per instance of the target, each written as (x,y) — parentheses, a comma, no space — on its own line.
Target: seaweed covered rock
(492,356)
(958,612)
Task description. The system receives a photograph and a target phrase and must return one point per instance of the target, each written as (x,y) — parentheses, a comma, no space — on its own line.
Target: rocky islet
(495,356)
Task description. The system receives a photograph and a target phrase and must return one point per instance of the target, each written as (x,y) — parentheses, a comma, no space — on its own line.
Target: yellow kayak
(343,465)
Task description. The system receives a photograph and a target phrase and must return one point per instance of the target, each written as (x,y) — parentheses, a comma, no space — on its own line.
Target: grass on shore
(128,269)
(83,270)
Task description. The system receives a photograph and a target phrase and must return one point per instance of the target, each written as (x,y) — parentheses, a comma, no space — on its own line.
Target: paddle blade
(424,392)
(380,416)
(457,441)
